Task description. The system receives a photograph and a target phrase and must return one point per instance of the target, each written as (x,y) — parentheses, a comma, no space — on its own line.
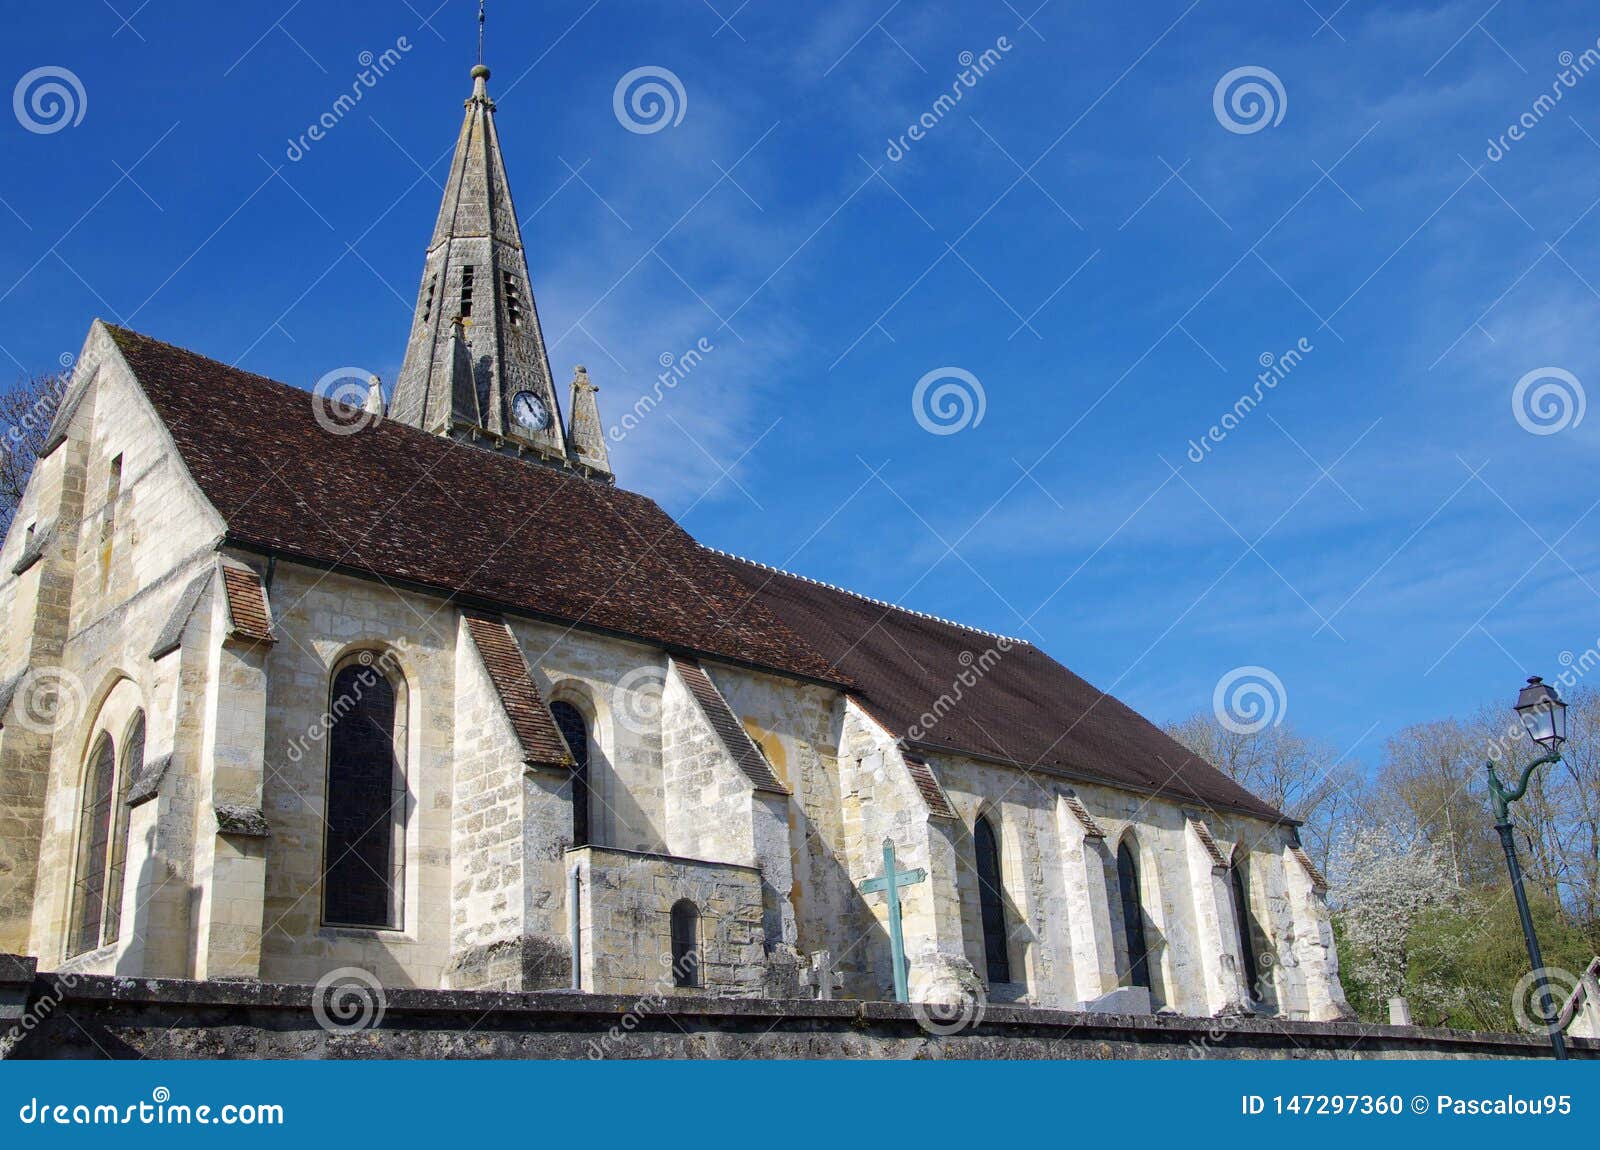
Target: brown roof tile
(420,509)
(729,730)
(1318,879)
(1203,833)
(247,604)
(928,786)
(1025,708)
(542,744)
(1080,812)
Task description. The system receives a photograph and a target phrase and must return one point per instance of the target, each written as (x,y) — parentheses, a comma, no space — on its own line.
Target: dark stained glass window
(569,720)
(685,943)
(132,763)
(991,903)
(1248,966)
(94,839)
(360,867)
(1133,918)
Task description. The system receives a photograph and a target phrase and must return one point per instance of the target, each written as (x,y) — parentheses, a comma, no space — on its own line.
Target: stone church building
(289,685)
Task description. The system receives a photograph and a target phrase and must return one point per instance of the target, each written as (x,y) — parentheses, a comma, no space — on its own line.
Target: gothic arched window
(685,943)
(570,722)
(1138,969)
(132,764)
(991,903)
(1249,969)
(363,860)
(94,842)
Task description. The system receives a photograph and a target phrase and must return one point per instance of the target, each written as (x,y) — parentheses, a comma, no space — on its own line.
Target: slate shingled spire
(476,272)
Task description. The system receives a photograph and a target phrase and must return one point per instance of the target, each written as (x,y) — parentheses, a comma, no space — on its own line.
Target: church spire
(489,372)
(586,436)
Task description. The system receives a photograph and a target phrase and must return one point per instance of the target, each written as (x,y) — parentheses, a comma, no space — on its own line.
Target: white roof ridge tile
(864,598)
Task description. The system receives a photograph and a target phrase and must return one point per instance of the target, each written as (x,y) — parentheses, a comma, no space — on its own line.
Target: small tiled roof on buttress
(498,533)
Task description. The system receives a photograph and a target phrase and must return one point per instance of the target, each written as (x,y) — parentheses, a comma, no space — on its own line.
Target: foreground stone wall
(101,1017)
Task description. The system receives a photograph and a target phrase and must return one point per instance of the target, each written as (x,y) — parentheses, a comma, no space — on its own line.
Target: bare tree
(1301,776)
(1435,771)
(26,412)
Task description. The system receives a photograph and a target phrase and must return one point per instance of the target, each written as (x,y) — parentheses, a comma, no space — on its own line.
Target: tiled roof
(1021,706)
(1203,833)
(247,604)
(928,785)
(541,742)
(418,509)
(1318,879)
(730,732)
(1080,812)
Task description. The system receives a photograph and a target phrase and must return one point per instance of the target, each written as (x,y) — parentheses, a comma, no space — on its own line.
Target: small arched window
(1138,969)
(132,764)
(570,722)
(94,842)
(685,943)
(1249,968)
(363,860)
(992,903)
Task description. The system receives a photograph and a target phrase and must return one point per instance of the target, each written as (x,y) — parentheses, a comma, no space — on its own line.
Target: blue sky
(1082,234)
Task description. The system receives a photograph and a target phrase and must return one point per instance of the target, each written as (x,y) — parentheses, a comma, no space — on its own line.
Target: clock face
(529,411)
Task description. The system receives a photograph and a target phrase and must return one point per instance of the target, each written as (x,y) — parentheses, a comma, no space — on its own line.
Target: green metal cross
(890,883)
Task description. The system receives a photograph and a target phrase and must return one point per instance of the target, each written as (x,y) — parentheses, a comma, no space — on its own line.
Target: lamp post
(1544,717)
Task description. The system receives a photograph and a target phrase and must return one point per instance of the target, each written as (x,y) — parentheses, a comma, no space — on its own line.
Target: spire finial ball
(480,71)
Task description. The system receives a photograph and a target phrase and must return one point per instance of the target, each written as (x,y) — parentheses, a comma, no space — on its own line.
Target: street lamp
(1544,717)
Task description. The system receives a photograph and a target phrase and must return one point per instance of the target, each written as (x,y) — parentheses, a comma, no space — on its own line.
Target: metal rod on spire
(480,31)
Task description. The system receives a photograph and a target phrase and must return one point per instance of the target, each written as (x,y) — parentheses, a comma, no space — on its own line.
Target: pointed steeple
(585,436)
(476,272)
